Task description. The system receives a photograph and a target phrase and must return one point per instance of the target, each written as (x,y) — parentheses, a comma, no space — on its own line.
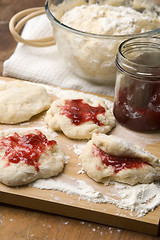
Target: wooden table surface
(17,223)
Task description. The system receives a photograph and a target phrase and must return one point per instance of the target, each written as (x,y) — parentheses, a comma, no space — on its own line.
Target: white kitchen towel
(45,65)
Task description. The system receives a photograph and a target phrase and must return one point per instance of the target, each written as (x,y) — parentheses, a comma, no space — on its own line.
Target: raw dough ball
(106,158)
(68,115)
(27,155)
(20,101)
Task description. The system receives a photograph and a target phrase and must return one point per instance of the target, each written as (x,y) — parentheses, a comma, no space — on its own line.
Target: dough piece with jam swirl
(110,158)
(80,118)
(27,155)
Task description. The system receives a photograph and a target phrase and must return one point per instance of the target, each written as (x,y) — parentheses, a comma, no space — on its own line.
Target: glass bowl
(90,55)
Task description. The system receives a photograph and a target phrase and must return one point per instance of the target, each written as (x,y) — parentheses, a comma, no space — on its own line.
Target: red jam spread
(27,148)
(138,106)
(117,162)
(80,112)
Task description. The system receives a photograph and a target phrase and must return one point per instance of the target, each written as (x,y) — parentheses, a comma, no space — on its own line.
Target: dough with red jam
(80,118)
(19,101)
(27,155)
(110,158)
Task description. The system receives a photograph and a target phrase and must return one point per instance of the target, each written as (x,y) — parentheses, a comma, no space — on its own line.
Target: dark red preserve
(80,112)
(137,88)
(138,106)
(26,149)
(117,162)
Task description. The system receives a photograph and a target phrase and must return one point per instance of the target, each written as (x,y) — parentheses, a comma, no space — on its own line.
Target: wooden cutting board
(70,205)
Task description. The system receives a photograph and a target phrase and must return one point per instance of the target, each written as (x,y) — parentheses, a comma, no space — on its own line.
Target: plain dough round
(59,122)
(51,162)
(20,101)
(113,145)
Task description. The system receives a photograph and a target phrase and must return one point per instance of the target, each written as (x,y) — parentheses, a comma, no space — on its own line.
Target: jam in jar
(137,89)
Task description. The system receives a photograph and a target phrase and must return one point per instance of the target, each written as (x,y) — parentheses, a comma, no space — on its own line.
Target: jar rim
(132,68)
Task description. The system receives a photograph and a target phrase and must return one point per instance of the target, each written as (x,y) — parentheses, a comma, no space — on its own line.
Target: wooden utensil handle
(18,21)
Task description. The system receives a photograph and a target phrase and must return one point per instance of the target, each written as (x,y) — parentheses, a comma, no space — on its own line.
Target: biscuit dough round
(50,163)
(20,101)
(116,146)
(57,121)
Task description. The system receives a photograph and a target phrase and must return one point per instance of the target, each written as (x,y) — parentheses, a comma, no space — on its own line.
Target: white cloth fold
(45,65)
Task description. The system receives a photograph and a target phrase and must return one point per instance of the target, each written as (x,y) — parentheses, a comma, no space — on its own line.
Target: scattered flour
(66,158)
(81,171)
(78,148)
(140,199)
(77,187)
(1,219)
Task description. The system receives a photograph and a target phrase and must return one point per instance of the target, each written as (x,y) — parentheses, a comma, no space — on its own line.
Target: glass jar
(137,88)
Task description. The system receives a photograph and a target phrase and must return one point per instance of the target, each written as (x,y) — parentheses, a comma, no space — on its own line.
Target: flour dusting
(73,187)
(139,199)
(78,148)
